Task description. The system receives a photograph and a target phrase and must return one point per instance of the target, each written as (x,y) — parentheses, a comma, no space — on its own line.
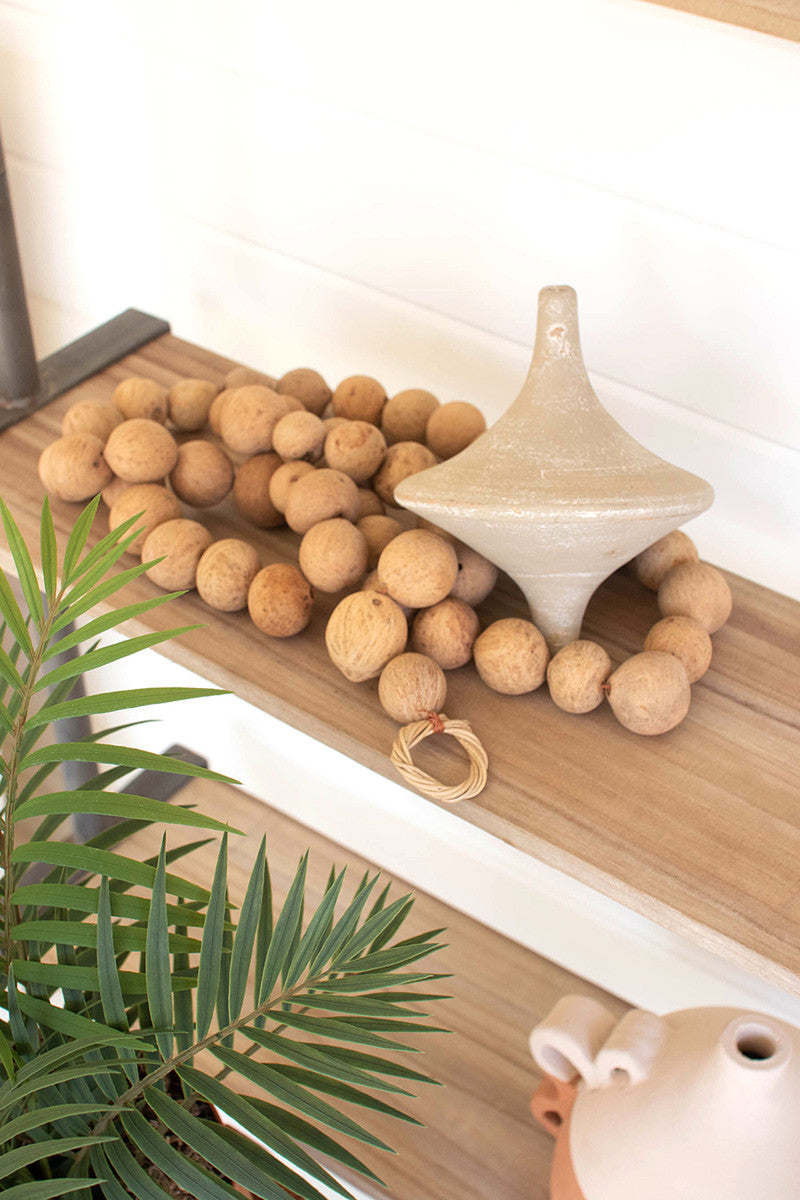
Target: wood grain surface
(778,17)
(699,829)
(479,1139)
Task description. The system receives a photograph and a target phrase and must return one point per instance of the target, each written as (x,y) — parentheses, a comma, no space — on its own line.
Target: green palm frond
(135,997)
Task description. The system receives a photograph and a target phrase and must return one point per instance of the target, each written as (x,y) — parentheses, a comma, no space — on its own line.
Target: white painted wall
(364,188)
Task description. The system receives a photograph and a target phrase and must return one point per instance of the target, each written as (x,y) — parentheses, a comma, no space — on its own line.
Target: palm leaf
(14,618)
(124,756)
(103,862)
(49,549)
(284,931)
(102,624)
(318,1058)
(245,935)
(15,1160)
(116,804)
(303,1131)
(159,992)
(211,950)
(176,1166)
(25,569)
(240,1110)
(77,539)
(242,1162)
(47,1189)
(105,655)
(81,898)
(133,1176)
(330,1027)
(340,1090)
(107,702)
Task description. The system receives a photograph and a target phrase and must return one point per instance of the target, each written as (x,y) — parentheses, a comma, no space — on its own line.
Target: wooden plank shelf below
(479,1138)
(698,829)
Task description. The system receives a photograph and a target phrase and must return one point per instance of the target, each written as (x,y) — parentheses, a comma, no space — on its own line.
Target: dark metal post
(19,373)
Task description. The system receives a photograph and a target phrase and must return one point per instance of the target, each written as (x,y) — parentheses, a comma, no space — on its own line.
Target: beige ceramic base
(556,493)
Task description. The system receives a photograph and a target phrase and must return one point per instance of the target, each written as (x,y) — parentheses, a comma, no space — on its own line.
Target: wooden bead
(411,686)
(650,692)
(511,656)
(225,572)
(90,416)
(378,531)
(453,427)
(155,504)
(405,415)
(141,451)
(418,568)
(402,460)
(299,435)
(202,475)
(695,589)
(307,386)
(357,448)
(687,639)
(476,576)
(576,674)
(245,376)
(359,398)
(285,475)
(371,503)
(446,632)
(180,544)
(364,632)
(333,555)
(137,397)
(280,600)
(319,496)
(252,492)
(249,417)
(652,564)
(190,402)
(74,467)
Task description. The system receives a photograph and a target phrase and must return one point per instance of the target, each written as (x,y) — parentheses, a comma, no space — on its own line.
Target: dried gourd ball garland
(325,463)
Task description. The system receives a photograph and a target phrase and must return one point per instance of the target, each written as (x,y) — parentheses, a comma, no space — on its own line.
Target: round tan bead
(687,639)
(364,632)
(280,600)
(225,572)
(576,674)
(189,403)
(137,397)
(378,531)
(359,398)
(402,459)
(74,467)
(180,544)
(652,564)
(141,451)
(446,632)
(371,503)
(411,686)
(285,475)
(476,576)
(357,448)
(299,435)
(511,656)
(695,589)
(333,555)
(373,584)
(90,416)
(203,474)
(252,490)
(405,415)
(155,504)
(249,417)
(650,692)
(217,408)
(318,497)
(113,490)
(418,568)
(307,386)
(453,427)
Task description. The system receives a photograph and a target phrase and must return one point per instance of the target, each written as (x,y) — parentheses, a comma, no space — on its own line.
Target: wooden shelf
(698,829)
(479,1138)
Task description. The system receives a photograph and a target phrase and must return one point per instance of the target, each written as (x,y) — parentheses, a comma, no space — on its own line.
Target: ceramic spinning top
(556,492)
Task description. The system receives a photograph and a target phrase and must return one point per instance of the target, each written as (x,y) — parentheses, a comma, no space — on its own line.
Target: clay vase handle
(567,1042)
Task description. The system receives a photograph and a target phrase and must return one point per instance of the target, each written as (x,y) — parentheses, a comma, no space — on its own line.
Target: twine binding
(410,735)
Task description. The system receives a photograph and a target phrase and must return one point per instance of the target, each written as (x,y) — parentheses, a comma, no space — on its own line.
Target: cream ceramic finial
(556,493)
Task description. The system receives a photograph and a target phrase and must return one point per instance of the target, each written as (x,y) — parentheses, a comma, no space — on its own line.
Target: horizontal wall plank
(779,19)
(274,313)
(584,88)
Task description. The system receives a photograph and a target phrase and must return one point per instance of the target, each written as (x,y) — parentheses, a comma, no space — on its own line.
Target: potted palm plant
(138,1005)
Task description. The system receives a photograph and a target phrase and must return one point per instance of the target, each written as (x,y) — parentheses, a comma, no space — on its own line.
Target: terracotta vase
(556,492)
(701,1103)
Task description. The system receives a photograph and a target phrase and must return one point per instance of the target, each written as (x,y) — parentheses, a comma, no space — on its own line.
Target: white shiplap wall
(367,189)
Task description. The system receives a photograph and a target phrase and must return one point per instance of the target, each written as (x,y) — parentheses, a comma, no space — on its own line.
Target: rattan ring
(417,731)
